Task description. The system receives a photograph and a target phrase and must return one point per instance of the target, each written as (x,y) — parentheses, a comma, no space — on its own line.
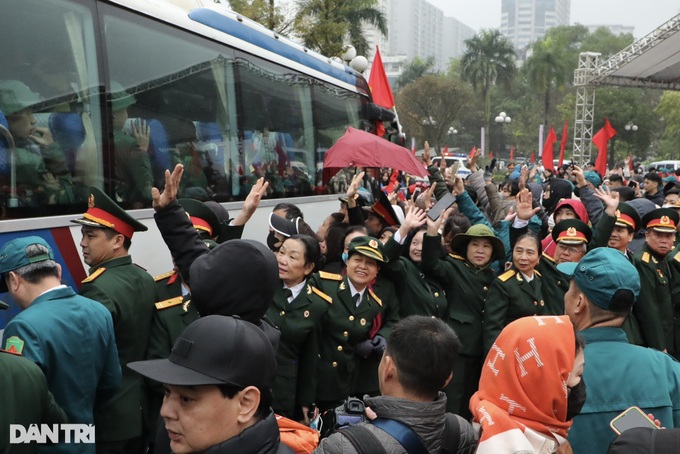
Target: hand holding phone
(631,418)
(442,205)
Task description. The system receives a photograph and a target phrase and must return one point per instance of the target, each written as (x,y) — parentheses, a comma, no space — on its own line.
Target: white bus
(226,97)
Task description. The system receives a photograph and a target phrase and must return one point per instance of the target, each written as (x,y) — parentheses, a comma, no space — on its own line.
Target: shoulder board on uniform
(677,257)
(547,257)
(537,273)
(169,303)
(456,256)
(646,257)
(330,276)
(378,300)
(507,275)
(328,299)
(160,277)
(94,275)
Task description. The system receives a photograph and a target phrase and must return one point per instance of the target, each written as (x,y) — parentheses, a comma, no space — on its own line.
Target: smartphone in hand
(631,418)
(442,205)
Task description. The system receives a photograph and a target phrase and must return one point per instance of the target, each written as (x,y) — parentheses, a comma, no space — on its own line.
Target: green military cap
(661,220)
(13,256)
(103,212)
(627,216)
(460,242)
(16,96)
(202,217)
(369,247)
(571,231)
(119,98)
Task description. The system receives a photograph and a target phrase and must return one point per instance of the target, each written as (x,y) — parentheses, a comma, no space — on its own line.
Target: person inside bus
(132,163)
(42,176)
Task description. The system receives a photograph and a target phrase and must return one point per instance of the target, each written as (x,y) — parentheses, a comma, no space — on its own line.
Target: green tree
(430,105)
(415,69)
(328,25)
(669,112)
(265,12)
(605,42)
(547,70)
(489,59)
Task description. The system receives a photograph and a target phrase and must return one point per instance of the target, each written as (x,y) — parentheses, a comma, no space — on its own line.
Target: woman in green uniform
(466,275)
(296,310)
(346,328)
(517,292)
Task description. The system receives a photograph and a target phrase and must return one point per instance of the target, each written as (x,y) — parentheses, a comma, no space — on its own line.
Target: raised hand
(524,205)
(142,134)
(609,199)
(160,200)
(353,188)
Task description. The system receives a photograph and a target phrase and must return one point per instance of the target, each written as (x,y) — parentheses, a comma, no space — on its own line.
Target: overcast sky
(644,15)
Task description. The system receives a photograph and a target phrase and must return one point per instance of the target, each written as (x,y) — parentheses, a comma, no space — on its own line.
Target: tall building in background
(525,21)
(417,29)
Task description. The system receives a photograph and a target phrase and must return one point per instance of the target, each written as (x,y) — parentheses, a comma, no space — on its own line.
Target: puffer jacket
(261,438)
(426,419)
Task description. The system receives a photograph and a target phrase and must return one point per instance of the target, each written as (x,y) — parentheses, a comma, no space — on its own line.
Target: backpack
(365,442)
(298,437)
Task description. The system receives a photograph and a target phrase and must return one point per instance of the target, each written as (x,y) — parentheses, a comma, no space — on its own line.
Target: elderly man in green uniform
(653,311)
(129,293)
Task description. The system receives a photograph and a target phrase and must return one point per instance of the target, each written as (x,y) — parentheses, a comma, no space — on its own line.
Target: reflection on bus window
(48,147)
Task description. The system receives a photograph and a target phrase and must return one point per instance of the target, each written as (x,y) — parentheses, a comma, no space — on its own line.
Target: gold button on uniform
(282,313)
(436,294)
(351,318)
(339,348)
(345,334)
(542,303)
(486,288)
(362,321)
(334,364)
(535,303)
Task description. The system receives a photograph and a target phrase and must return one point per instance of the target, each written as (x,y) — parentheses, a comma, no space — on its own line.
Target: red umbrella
(358,148)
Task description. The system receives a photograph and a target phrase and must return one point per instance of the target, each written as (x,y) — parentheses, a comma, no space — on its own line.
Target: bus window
(181,87)
(50,107)
(276,108)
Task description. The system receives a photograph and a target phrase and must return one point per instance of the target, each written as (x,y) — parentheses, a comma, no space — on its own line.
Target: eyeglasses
(570,249)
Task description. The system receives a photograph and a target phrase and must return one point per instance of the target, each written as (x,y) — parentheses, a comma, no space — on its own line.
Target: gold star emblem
(373,244)
(571,231)
(665,220)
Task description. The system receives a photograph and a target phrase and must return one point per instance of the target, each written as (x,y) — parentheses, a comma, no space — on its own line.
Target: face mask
(345,257)
(576,399)
(272,242)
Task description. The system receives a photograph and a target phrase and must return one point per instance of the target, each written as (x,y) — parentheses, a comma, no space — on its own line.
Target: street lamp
(630,127)
(358,62)
(502,119)
(452,132)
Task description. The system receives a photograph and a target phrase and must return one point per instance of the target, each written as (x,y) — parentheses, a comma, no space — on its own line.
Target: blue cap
(593,178)
(13,256)
(602,273)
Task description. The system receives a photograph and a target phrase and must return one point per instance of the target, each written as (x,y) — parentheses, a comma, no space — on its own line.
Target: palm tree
(414,70)
(328,25)
(547,68)
(489,59)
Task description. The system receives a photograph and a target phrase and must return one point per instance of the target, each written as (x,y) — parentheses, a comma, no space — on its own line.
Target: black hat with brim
(202,217)
(215,350)
(102,212)
(286,227)
(384,210)
(663,220)
(627,216)
(572,231)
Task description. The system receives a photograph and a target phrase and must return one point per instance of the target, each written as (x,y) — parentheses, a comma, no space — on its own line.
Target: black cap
(286,227)
(384,210)
(202,217)
(102,212)
(215,350)
(572,231)
(238,277)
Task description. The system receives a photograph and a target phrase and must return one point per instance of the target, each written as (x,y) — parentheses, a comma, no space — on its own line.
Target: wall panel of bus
(80,79)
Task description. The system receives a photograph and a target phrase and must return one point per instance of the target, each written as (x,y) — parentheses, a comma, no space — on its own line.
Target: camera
(351,412)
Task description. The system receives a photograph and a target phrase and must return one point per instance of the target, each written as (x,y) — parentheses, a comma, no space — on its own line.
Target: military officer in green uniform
(515,293)
(346,325)
(467,275)
(653,311)
(297,308)
(571,237)
(129,293)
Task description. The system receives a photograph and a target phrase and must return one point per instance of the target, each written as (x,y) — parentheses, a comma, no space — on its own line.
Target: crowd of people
(523,317)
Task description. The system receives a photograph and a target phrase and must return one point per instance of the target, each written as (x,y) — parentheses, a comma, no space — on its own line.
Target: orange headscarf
(524,385)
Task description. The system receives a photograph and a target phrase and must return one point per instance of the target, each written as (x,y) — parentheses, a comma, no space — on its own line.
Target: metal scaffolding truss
(650,62)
